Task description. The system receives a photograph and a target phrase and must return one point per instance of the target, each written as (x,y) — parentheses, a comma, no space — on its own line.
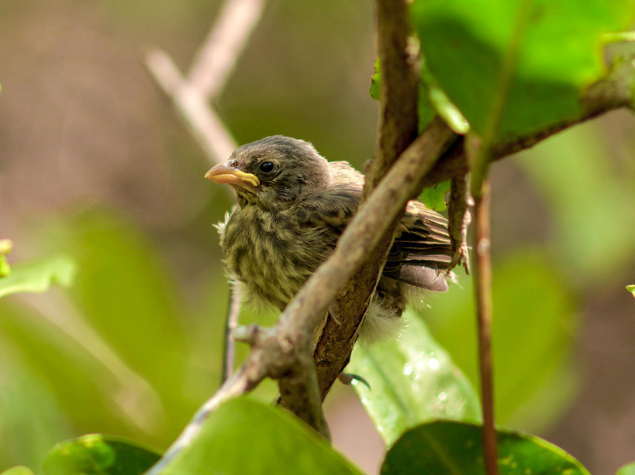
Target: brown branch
(399,92)
(396,130)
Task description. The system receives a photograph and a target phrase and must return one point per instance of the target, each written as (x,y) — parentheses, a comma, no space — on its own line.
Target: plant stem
(483,277)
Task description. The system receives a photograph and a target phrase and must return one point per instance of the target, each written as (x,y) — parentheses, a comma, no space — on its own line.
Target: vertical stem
(483,275)
(231,322)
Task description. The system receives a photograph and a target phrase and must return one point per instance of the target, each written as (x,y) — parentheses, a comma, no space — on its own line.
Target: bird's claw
(349,378)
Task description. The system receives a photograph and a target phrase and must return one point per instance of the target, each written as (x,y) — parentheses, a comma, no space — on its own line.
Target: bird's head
(273,172)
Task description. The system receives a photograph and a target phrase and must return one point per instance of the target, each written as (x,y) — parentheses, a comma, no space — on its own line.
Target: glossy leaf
(245,436)
(470,45)
(412,380)
(434,196)
(19,470)
(37,276)
(533,331)
(455,448)
(99,455)
(631,289)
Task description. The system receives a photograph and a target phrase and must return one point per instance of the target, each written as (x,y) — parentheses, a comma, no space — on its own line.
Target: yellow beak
(225,173)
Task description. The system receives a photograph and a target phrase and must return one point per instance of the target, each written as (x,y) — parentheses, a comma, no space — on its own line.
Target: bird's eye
(266,167)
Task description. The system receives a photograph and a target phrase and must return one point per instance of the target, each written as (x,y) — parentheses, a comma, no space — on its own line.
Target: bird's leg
(459,218)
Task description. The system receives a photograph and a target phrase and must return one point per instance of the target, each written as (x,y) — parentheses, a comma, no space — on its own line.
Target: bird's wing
(422,249)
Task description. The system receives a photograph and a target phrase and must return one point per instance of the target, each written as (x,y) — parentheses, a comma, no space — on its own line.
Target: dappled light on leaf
(412,380)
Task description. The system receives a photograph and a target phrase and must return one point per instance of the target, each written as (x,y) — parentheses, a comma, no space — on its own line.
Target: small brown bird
(292,207)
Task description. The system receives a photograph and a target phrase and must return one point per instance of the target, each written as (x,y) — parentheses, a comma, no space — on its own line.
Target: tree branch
(396,130)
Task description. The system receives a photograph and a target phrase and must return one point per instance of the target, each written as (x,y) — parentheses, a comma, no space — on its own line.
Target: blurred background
(95,165)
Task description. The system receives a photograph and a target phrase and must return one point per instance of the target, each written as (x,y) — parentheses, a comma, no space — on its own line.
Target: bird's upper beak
(226,172)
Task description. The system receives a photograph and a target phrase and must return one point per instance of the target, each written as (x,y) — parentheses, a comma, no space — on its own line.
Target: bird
(293,205)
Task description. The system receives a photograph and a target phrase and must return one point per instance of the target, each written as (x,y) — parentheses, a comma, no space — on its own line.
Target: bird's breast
(271,253)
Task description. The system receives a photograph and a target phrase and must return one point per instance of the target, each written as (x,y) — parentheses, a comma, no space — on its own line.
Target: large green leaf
(533,330)
(412,380)
(546,51)
(455,448)
(244,436)
(37,276)
(99,455)
(112,349)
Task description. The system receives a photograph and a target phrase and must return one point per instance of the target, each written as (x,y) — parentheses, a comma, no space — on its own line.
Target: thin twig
(216,59)
(231,323)
(207,128)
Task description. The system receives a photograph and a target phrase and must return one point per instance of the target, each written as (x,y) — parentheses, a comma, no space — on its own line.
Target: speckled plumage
(283,229)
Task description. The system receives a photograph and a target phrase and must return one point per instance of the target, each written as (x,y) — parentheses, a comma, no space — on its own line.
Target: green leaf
(244,436)
(375,82)
(455,448)
(19,470)
(533,332)
(628,469)
(38,276)
(434,196)
(412,380)
(631,289)
(425,107)
(467,46)
(5,248)
(98,454)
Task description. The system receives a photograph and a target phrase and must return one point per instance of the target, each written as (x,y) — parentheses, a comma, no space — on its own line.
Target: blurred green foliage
(533,331)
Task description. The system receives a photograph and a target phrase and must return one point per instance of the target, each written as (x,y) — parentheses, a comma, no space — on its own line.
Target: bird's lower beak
(225,173)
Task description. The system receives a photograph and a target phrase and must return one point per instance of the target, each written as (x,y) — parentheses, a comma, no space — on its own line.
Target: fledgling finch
(292,207)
